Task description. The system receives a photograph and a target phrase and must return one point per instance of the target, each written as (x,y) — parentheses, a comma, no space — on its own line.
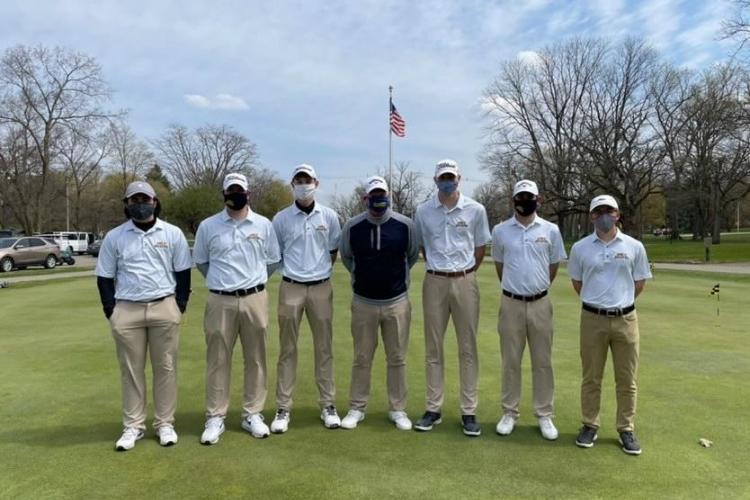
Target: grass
(60,404)
(734,247)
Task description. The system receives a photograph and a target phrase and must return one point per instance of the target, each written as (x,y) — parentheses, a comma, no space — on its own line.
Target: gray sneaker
(586,437)
(630,444)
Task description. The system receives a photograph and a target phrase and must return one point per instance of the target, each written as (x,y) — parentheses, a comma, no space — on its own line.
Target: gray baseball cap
(140,187)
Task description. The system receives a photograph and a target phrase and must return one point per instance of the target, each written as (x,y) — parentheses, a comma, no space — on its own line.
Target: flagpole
(390,136)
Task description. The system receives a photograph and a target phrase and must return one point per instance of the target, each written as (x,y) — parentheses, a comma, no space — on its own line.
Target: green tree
(191,205)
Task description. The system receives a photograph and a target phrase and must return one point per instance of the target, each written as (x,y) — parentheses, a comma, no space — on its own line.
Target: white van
(73,241)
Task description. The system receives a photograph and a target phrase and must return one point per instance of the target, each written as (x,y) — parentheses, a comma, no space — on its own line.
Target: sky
(307,81)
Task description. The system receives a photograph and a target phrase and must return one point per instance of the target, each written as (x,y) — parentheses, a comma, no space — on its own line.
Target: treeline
(66,155)
(587,116)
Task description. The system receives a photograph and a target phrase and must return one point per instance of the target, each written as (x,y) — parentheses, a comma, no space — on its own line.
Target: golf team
(143,276)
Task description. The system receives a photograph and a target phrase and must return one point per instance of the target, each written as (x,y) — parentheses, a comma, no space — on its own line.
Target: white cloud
(220,101)
(529,57)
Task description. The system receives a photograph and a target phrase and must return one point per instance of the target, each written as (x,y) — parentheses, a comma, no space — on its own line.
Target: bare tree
(43,89)
(347,206)
(204,156)
(737,27)
(536,112)
(19,173)
(621,152)
(81,153)
(129,157)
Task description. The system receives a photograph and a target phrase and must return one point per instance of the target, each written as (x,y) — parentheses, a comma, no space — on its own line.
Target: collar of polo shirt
(459,204)
(618,236)
(157,225)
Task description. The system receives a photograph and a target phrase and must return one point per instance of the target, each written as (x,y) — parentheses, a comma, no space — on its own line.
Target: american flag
(398,125)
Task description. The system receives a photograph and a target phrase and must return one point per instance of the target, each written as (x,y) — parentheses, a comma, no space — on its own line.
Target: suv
(19,253)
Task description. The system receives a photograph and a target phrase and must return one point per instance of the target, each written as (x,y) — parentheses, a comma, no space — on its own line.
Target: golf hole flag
(398,125)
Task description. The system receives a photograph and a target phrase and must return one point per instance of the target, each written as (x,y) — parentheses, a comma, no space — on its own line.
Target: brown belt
(447,274)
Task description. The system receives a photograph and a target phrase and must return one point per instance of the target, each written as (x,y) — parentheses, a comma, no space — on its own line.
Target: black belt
(609,312)
(150,301)
(450,274)
(306,283)
(525,298)
(241,293)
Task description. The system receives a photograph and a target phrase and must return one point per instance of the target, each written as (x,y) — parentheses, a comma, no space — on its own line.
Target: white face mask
(304,192)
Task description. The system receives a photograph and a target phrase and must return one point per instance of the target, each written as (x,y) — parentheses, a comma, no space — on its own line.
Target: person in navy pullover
(379,247)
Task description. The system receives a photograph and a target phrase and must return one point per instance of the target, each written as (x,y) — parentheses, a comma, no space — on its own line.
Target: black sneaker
(428,420)
(586,437)
(470,425)
(630,444)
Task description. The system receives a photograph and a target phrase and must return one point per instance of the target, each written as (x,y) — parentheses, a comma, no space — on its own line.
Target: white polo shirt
(449,236)
(306,241)
(143,263)
(237,252)
(526,254)
(608,270)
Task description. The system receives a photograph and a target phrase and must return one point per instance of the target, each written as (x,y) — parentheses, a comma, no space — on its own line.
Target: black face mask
(235,201)
(525,207)
(141,211)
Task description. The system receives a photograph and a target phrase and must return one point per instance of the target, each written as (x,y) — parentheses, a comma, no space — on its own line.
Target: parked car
(94,248)
(19,253)
(66,256)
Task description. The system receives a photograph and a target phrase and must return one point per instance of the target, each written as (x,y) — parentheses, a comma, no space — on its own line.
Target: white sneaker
(330,418)
(129,436)
(400,419)
(214,429)
(280,422)
(506,424)
(548,428)
(167,435)
(352,418)
(254,425)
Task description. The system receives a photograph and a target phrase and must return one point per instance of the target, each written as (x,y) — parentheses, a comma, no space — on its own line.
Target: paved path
(19,277)
(732,267)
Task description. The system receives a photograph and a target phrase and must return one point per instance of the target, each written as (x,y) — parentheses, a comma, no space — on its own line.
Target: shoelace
(130,432)
(281,414)
(213,423)
(330,411)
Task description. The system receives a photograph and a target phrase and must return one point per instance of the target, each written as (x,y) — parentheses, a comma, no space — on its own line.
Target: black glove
(182,306)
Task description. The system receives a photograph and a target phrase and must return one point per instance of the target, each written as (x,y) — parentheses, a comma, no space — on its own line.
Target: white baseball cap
(446,167)
(603,199)
(140,187)
(235,179)
(304,168)
(526,186)
(376,182)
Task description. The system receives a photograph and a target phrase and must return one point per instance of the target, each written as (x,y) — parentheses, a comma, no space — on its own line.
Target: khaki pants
(316,302)
(138,328)
(444,297)
(521,321)
(393,320)
(598,335)
(227,317)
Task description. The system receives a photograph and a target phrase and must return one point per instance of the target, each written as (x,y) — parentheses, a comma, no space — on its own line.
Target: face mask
(141,211)
(378,204)
(525,207)
(304,192)
(447,187)
(605,222)
(235,201)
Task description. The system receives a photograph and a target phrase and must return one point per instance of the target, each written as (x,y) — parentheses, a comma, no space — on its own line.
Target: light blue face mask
(605,222)
(447,187)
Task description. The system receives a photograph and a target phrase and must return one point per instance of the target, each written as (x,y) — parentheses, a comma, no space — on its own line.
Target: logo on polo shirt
(161,244)
(461,223)
(254,236)
(621,255)
(322,227)
(542,239)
